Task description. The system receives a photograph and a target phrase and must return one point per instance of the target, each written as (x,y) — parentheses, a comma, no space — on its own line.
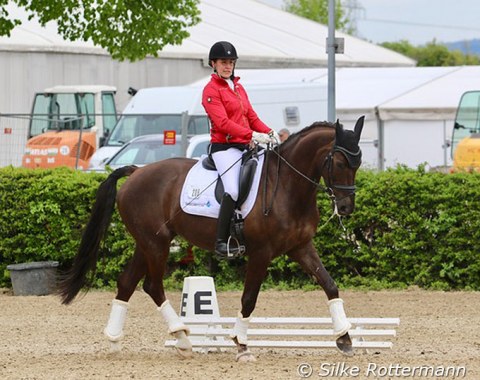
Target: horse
(149,206)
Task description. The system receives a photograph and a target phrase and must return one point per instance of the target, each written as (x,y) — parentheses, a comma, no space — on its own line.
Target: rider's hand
(261,138)
(274,137)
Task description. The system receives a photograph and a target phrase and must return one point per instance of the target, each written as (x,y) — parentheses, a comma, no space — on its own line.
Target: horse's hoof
(344,345)
(184,354)
(244,357)
(183,346)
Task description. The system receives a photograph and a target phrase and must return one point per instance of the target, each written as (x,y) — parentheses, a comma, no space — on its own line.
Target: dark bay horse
(149,205)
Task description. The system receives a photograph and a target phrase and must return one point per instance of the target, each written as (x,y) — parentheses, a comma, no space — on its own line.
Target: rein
(266,210)
(351,158)
(328,190)
(328,161)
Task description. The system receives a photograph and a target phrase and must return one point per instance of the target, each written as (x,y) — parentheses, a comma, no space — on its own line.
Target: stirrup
(230,255)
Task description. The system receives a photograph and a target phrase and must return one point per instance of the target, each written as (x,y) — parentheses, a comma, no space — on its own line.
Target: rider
(234,126)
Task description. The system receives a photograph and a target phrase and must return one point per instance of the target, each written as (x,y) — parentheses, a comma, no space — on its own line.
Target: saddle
(247,172)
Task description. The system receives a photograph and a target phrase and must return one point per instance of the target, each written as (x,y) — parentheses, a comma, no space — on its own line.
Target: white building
(409,111)
(34,58)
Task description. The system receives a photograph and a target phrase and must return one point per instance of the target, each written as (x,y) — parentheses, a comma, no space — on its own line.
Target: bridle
(353,159)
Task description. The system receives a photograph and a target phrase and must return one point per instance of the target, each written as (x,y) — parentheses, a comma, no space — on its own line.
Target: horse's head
(341,166)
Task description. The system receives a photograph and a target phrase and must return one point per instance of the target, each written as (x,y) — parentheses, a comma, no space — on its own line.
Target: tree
(403,47)
(432,54)
(127,29)
(317,10)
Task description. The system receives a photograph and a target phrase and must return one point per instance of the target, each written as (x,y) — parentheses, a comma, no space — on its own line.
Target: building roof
(260,33)
(407,93)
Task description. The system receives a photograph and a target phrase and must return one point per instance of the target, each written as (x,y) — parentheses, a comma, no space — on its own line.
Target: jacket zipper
(245,124)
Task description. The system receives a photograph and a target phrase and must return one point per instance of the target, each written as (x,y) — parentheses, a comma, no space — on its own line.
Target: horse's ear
(338,128)
(358,127)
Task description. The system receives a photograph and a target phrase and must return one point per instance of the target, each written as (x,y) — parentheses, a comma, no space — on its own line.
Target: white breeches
(228,163)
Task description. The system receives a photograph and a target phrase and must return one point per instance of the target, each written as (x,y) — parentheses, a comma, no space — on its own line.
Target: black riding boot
(222,248)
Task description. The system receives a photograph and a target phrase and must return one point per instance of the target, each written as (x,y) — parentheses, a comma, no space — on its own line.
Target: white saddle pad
(198,192)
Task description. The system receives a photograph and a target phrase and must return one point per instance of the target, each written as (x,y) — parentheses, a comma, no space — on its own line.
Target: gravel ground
(42,339)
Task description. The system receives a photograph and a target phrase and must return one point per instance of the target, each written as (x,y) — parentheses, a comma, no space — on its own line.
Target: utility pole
(334,46)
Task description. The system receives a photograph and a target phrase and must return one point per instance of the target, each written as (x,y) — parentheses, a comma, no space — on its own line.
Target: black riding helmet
(222,50)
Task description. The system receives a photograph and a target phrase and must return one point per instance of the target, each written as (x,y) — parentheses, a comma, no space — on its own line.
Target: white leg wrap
(118,314)
(341,325)
(240,329)
(173,321)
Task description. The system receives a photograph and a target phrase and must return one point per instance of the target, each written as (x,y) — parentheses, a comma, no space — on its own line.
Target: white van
(153,111)
(291,105)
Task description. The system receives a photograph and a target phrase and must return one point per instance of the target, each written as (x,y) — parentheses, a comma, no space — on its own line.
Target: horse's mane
(292,139)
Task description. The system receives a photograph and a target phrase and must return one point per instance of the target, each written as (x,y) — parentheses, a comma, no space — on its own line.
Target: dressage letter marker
(199,298)
(199,302)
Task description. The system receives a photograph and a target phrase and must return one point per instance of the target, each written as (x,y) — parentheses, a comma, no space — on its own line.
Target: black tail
(86,259)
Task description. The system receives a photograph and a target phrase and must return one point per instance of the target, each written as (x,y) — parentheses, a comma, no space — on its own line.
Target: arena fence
(199,311)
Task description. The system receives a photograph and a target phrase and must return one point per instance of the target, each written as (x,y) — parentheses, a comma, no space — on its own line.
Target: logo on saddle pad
(198,193)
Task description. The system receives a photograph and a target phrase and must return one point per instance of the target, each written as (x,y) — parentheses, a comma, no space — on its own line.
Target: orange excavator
(68,124)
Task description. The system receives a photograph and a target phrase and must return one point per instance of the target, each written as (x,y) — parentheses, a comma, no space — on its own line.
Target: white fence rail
(206,333)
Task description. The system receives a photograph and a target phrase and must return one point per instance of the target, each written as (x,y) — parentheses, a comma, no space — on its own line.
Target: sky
(417,21)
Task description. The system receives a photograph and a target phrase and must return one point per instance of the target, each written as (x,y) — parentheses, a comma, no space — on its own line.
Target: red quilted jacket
(231,114)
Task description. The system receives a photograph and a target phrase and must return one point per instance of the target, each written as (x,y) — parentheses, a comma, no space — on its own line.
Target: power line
(457,27)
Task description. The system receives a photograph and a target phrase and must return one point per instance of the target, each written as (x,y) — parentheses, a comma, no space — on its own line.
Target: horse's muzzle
(345,206)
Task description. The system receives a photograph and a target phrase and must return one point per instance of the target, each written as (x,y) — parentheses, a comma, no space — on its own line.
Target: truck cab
(68,124)
(466,133)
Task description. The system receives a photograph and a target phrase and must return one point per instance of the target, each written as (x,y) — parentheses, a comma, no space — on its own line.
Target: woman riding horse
(149,205)
(234,124)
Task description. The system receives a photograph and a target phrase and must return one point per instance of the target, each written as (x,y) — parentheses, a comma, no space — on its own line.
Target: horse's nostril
(345,209)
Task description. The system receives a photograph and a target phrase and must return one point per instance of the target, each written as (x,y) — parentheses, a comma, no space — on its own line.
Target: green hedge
(410,227)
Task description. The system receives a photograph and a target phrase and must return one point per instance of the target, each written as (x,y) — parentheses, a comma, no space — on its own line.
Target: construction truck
(466,133)
(68,124)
